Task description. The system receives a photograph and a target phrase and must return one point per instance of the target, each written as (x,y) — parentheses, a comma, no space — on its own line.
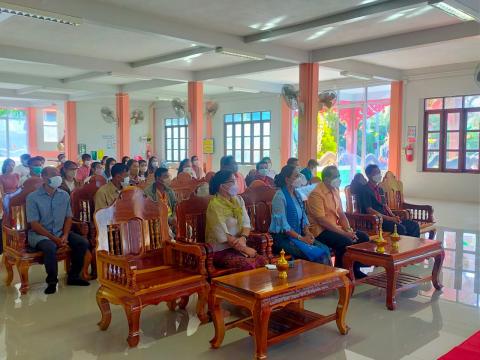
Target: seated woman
(228,226)
(109,163)
(95,170)
(186,167)
(143,170)
(133,171)
(289,225)
(356,186)
(196,166)
(260,173)
(69,173)
(8,180)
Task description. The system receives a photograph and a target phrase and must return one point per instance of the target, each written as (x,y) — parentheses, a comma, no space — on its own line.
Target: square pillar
(123,125)
(395,133)
(71,145)
(286,143)
(32,131)
(195,126)
(307,119)
(209,135)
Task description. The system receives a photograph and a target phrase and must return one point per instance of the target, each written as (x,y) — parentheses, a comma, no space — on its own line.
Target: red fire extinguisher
(409,152)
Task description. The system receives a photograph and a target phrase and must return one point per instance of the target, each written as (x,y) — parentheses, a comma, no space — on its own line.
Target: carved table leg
(218,320)
(182,304)
(9,268)
(201,304)
(392,276)
(104,306)
(348,265)
(261,317)
(437,266)
(133,312)
(23,271)
(342,307)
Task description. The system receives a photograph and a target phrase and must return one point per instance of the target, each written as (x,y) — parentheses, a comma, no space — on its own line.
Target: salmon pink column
(286,143)
(395,135)
(32,131)
(195,127)
(307,119)
(209,135)
(123,126)
(71,146)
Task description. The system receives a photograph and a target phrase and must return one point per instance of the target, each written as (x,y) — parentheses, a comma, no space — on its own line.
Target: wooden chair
(362,222)
(83,208)
(15,230)
(138,265)
(208,176)
(256,184)
(422,214)
(183,186)
(191,222)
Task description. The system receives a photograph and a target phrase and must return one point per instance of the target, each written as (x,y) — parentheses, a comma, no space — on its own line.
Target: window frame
(242,136)
(177,126)
(443,131)
(44,113)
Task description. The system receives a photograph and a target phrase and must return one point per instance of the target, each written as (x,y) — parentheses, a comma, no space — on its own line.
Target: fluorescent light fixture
(356,75)
(245,55)
(237,89)
(452,10)
(39,14)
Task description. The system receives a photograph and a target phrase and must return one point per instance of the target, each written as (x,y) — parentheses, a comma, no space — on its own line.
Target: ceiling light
(39,14)
(237,89)
(452,10)
(356,75)
(245,55)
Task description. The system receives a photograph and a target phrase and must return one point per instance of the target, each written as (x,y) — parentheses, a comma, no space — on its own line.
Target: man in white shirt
(22,169)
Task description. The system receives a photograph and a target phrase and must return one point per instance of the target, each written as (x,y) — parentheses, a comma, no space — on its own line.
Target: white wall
(97,134)
(49,146)
(441,186)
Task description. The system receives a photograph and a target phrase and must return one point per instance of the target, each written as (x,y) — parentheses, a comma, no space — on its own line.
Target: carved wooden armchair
(139,265)
(17,252)
(191,223)
(422,214)
(183,186)
(362,222)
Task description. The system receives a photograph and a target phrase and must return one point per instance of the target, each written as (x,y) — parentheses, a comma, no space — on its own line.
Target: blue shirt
(49,210)
(279,221)
(307,173)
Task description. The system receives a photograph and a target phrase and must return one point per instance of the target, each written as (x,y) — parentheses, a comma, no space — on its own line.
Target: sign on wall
(208,146)
(411,134)
(82,149)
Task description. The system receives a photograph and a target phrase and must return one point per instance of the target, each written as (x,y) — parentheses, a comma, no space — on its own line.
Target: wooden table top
(406,246)
(262,283)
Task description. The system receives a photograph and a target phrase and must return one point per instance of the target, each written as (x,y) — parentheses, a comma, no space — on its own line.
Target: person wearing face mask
(153,165)
(68,172)
(143,169)
(228,225)
(330,225)
(196,166)
(50,217)
(36,167)
(290,226)
(23,169)
(228,163)
(309,171)
(84,170)
(372,201)
(271,173)
(96,169)
(302,181)
(108,193)
(133,171)
(186,167)
(61,158)
(261,173)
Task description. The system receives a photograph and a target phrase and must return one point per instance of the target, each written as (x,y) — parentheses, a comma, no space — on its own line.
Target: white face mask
(298,182)
(155,164)
(377,179)
(269,166)
(55,182)
(263,172)
(336,183)
(87,163)
(126,181)
(233,190)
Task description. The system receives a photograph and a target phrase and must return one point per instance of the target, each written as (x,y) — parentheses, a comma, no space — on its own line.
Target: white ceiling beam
(347,15)
(240,69)
(400,41)
(262,86)
(171,56)
(9,93)
(348,83)
(361,67)
(146,85)
(87,76)
(109,15)
(28,90)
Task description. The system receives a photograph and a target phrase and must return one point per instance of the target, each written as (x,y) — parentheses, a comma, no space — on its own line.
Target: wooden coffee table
(410,251)
(276,305)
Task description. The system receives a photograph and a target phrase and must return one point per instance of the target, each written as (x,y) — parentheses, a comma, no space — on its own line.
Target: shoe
(77,282)
(360,275)
(51,289)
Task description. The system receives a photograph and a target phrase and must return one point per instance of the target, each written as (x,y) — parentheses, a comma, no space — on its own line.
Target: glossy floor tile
(425,325)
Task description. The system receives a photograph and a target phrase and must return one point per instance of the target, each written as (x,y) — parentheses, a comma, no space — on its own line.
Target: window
(176,139)
(50,126)
(247,136)
(452,134)
(13,134)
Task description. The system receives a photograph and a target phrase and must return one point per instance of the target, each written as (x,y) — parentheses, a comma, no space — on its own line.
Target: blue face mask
(37,170)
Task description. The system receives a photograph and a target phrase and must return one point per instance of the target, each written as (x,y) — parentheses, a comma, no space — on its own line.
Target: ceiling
(152,48)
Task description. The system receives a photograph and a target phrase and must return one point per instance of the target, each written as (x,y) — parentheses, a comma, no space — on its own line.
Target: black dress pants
(79,247)
(406,227)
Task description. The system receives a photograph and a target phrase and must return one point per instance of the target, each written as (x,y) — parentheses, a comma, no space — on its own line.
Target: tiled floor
(425,325)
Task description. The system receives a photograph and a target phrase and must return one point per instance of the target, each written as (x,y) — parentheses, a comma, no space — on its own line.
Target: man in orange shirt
(228,163)
(330,226)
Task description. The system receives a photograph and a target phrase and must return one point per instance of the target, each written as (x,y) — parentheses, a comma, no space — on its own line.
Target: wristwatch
(299,237)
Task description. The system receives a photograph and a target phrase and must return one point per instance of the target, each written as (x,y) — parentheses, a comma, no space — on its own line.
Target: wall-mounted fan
(178,106)
(290,94)
(327,99)
(137,116)
(211,108)
(108,115)
(477,75)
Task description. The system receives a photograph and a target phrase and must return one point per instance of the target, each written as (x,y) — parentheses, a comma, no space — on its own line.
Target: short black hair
(125,160)
(160,171)
(286,172)
(266,159)
(61,155)
(226,160)
(141,162)
(261,162)
(291,160)
(130,163)
(67,165)
(312,162)
(25,157)
(86,157)
(220,177)
(35,158)
(328,171)
(193,157)
(370,168)
(93,167)
(5,164)
(118,169)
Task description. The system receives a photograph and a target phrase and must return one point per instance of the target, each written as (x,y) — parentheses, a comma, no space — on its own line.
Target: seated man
(261,173)
(160,190)
(330,225)
(50,217)
(35,166)
(309,171)
(372,201)
(109,192)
